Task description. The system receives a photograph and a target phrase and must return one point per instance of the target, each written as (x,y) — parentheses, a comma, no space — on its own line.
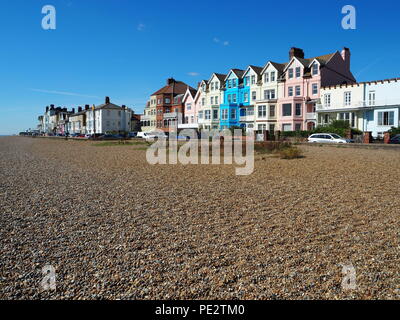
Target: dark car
(395,139)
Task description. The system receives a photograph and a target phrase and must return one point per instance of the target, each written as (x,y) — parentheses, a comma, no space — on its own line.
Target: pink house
(189,120)
(300,85)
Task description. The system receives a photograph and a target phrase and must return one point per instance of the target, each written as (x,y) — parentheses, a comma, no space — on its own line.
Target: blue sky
(126,49)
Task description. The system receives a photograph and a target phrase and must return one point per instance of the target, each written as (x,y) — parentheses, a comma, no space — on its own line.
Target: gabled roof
(324,59)
(256,69)
(107,106)
(189,92)
(238,73)
(221,77)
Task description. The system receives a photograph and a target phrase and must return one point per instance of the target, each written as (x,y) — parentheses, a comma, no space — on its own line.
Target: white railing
(247,118)
(311,115)
(171,115)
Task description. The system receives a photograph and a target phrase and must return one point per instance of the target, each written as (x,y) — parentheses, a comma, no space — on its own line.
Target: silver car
(326,138)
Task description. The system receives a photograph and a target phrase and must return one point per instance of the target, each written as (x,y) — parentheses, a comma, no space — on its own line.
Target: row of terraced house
(293,96)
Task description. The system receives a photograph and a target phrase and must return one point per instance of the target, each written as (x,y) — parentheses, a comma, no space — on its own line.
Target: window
(229,98)
(298,72)
(347,98)
(269,94)
(215,114)
(271,111)
(250,111)
(216,100)
(253,79)
(253,96)
(229,83)
(212,86)
(200,114)
(233,83)
(246,97)
(386,118)
(246,80)
(298,89)
(290,93)
(203,101)
(234,98)
(315,69)
(233,114)
(262,111)
(212,100)
(224,114)
(266,77)
(207,115)
(287,110)
(327,100)
(159,101)
(314,89)
(372,98)
(298,109)
(290,73)
(287,127)
(273,76)
(189,107)
(297,127)
(262,127)
(167,100)
(344,116)
(272,127)
(326,119)
(216,86)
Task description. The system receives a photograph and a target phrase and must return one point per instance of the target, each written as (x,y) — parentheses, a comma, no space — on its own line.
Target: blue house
(235,94)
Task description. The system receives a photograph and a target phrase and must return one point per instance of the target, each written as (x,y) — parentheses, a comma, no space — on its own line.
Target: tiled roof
(175,87)
(238,72)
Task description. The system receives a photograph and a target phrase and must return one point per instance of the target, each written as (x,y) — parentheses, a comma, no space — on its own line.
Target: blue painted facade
(236,94)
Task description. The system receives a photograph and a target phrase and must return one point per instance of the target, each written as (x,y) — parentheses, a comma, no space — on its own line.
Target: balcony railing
(311,116)
(247,118)
(171,115)
(359,104)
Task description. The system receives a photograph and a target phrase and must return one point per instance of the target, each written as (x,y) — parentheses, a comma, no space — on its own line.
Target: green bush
(271,146)
(394,131)
(290,153)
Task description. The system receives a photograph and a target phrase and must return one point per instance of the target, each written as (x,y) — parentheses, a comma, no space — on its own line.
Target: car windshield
(336,136)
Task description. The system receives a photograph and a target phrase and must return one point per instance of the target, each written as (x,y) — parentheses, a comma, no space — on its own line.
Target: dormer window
(253,79)
(234,83)
(212,86)
(266,77)
(290,73)
(298,72)
(216,86)
(229,84)
(315,69)
(246,80)
(273,76)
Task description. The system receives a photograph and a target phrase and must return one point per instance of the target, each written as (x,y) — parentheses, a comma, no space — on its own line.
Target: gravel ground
(115,227)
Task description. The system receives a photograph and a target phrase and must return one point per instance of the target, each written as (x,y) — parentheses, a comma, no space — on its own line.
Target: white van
(148,135)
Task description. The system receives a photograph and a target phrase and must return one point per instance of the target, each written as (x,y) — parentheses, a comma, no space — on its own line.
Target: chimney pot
(79,109)
(170,81)
(107,100)
(73,110)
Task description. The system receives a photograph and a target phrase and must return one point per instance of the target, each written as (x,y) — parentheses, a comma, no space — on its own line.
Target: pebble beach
(115,227)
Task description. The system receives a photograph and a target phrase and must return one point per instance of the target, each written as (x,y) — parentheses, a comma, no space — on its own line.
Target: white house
(368,106)
(108,117)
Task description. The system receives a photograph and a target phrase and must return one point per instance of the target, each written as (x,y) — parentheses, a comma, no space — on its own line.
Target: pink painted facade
(300,86)
(190,110)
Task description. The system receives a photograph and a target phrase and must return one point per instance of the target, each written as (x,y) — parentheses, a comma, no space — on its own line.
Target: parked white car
(327,138)
(148,135)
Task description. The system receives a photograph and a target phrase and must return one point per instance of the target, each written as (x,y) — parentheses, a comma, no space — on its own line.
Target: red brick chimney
(170,81)
(346,57)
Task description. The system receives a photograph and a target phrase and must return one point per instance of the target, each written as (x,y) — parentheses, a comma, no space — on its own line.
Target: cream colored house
(208,99)
(148,119)
(266,106)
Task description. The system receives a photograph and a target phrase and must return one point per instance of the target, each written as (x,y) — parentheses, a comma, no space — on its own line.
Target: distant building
(108,117)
